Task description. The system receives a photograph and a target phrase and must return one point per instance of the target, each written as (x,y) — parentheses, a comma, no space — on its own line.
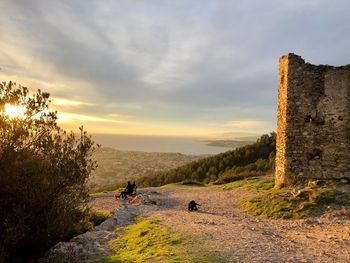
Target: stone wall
(313,121)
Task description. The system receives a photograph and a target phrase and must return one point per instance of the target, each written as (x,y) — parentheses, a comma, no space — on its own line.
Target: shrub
(43,174)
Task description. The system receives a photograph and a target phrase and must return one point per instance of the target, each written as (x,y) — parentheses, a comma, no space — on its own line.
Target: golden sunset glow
(14,111)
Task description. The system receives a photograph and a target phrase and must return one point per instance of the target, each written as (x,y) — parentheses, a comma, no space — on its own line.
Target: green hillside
(250,160)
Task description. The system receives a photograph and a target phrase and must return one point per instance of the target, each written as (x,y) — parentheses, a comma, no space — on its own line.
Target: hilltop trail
(224,228)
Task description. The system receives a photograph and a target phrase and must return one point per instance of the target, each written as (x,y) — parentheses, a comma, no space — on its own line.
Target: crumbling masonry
(313,121)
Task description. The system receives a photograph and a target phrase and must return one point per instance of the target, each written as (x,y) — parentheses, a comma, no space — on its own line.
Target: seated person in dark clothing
(126,191)
(132,188)
(129,190)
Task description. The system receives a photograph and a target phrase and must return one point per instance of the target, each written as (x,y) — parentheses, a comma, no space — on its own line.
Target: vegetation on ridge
(250,160)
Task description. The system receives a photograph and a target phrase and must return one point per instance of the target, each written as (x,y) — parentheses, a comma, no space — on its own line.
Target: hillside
(116,167)
(229,143)
(252,159)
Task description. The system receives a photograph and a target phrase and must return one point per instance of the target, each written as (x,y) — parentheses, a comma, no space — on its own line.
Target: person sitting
(129,190)
(132,189)
(124,193)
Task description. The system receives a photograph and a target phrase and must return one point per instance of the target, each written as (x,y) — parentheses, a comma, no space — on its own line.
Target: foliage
(280,203)
(43,174)
(257,158)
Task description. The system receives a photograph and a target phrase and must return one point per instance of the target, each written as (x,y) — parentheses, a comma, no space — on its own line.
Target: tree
(43,171)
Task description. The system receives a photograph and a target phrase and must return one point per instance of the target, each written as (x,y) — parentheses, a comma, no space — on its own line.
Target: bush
(43,174)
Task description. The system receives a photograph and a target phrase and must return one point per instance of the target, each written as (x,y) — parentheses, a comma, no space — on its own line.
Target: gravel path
(222,227)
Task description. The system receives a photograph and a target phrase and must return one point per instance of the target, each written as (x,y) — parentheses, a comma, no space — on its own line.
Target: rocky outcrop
(92,245)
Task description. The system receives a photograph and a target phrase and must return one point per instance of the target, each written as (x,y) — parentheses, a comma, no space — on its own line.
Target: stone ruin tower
(313,121)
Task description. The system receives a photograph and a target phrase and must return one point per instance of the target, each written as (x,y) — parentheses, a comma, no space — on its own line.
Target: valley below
(116,167)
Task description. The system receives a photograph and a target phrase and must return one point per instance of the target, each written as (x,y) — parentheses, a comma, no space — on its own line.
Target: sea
(168,144)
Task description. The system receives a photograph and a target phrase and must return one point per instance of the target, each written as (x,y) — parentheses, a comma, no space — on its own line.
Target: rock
(92,245)
(108,225)
(88,247)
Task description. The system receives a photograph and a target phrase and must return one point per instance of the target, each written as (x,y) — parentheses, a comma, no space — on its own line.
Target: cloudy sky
(184,67)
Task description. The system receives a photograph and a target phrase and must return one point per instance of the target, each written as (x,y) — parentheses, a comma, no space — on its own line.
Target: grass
(274,203)
(232,176)
(280,203)
(145,241)
(149,241)
(258,183)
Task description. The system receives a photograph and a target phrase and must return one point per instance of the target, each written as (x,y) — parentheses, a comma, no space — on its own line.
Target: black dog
(192,206)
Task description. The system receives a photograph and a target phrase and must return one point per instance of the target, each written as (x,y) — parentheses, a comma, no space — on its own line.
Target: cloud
(66,102)
(246,124)
(197,62)
(71,117)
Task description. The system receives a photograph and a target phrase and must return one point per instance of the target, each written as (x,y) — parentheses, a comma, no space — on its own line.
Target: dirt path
(238,237)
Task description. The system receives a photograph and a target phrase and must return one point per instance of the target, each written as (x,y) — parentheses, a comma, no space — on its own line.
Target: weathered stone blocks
(313,121)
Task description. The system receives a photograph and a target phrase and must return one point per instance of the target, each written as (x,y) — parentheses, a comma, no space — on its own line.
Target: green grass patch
(233,176)
(149,241)
(145,241)
(280,203)
(258,183)
(262,185)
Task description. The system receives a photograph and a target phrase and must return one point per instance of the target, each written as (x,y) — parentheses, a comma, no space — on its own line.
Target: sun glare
(14,111)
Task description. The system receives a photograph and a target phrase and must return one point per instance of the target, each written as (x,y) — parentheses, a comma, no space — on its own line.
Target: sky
(164,67)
